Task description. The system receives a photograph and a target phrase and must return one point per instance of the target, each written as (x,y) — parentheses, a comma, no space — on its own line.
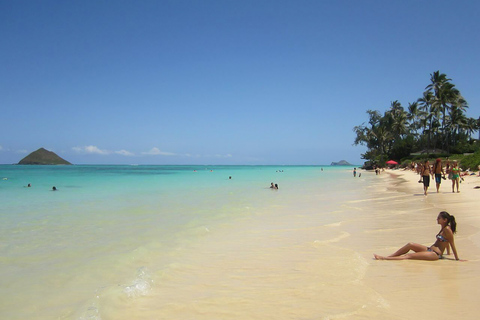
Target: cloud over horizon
(96,150)
(155,151)
(124,152)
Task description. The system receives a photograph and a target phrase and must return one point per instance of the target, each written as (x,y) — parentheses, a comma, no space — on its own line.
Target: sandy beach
(234,249)
(296,264)
(420,289)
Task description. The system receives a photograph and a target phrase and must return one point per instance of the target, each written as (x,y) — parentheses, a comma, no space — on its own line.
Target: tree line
(434,123)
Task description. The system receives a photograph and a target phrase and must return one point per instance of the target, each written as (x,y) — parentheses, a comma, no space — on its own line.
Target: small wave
(361,266)
(92,313)
(382,303)
(335,224)
(336,239)
(141,285)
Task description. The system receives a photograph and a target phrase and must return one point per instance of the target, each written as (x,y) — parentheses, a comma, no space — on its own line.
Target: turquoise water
(112,228)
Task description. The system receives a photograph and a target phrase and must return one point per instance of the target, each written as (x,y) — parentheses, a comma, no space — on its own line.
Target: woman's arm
(451,241)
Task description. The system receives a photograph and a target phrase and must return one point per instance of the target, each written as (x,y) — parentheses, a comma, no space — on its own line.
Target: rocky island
(45,157)
(341,163)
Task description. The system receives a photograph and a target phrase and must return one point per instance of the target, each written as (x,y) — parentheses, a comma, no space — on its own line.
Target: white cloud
(189,155)
(223,155)
(219,156)
(155,151)
(97,150)
(124,153)
(91,150)
(1,148)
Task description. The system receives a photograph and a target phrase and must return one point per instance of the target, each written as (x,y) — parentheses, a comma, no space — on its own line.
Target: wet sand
(312,258)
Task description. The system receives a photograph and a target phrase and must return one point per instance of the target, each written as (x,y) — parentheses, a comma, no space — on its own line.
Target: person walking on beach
(455,175)
(354,172)
(419,168)
(426,172)
(435,251)
(438,171)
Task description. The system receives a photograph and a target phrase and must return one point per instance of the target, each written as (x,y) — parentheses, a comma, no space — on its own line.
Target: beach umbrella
(391,162)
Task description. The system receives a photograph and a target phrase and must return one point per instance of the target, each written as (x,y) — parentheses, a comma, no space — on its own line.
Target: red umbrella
(391,162)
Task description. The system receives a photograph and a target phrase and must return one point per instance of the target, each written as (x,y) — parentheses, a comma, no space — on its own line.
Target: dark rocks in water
(43,156)
(341,163)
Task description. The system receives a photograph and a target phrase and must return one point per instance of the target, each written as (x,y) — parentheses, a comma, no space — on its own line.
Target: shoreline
(315,261)
(304,251)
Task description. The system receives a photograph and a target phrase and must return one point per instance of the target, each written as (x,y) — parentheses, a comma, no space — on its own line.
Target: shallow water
(162,242)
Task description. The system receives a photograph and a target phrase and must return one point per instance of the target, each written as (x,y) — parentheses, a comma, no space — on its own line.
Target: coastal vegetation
(435,124)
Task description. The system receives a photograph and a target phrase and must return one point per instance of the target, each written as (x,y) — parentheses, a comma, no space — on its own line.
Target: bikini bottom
(429,249)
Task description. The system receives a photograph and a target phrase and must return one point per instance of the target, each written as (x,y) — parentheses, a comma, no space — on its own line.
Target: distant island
(341,163)
(43,157)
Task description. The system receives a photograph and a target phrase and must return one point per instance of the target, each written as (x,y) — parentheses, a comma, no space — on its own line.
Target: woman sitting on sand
(421,252)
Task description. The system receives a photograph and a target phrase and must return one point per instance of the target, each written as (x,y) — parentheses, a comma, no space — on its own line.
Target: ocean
(180,242)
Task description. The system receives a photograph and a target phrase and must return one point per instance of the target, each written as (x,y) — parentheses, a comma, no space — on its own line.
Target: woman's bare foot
(377,257)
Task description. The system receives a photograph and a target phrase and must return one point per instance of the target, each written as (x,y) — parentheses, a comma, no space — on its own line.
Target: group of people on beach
(436,171)
(274,186)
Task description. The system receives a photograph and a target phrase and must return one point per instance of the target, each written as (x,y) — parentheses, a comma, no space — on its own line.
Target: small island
(341,163)
(43,157)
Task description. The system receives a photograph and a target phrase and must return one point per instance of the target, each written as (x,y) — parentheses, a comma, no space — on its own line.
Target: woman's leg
(409,246)
(426,184)
(402,252)
(424,255)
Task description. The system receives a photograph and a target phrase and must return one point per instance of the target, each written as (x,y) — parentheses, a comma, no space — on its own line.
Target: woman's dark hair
(450,219)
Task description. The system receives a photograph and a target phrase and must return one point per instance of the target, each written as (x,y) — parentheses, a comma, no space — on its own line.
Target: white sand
(443,289)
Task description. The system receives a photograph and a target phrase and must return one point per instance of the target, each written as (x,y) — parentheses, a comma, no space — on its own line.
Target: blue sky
(220,82)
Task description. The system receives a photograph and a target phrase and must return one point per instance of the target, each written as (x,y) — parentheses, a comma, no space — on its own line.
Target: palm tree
(396,119)
(456,123)
(445,96)
(412,116)
(426,105)
(377,136)
(437,119)
(470,126)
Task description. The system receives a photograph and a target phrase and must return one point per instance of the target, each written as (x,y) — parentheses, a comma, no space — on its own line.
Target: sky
(263,82)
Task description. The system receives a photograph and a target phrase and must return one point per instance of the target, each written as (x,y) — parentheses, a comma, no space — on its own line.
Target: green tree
(436,120)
